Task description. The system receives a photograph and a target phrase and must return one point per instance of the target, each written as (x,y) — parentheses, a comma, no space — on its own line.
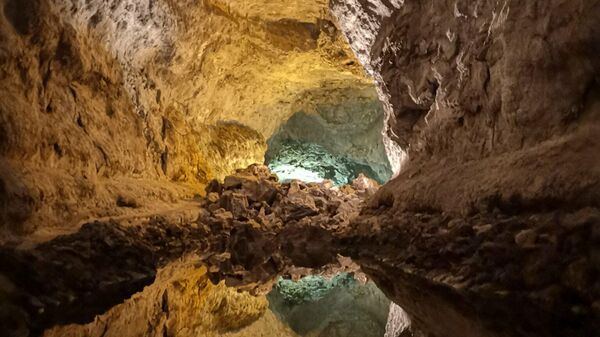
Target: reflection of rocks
(282,225)
(340,307)
(183,303)
(249,230)
(431,264)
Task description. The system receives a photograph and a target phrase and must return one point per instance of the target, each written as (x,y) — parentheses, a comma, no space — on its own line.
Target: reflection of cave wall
(340,307)
(350,131)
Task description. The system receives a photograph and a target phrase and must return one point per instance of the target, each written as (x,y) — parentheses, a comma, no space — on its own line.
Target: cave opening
(337,142)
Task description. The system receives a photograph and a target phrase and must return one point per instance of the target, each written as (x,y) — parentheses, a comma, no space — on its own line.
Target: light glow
(287,172)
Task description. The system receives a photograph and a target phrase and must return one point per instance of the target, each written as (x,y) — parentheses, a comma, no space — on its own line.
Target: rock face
(350,130)
(126,97)
(496,104)
(311,162)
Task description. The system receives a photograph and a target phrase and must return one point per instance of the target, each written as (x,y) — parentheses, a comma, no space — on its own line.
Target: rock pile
(265,226)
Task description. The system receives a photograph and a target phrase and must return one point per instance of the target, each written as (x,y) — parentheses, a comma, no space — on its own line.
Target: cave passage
(334,307)
(337,142)
(135,199)
(311,162)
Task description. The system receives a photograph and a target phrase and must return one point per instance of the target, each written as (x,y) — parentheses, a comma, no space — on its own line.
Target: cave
(305,168)
(334,142)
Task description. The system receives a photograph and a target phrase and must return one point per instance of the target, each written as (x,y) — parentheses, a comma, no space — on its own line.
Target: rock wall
(485,85)
(350,128)
(497,104)
(117,99)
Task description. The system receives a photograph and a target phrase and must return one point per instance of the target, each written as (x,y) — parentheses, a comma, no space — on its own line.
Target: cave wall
(117,99)
(503,85)
(496,104)
(67,121)
(351,128)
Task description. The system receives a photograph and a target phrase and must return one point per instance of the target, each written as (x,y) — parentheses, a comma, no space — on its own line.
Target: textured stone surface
(496,103)
(312,163)
(350,129)
(112,97)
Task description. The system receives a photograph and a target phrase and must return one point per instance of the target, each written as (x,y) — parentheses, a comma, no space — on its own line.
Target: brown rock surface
(496,104)
(183,302)
(109,97)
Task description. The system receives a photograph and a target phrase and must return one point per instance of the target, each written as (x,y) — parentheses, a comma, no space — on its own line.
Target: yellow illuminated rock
(153,98)
(182,302)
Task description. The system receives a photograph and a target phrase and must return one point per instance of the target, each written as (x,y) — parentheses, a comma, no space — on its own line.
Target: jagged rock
(365,185)
(236,203)
(298,203)
(212,197)
(214,186)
